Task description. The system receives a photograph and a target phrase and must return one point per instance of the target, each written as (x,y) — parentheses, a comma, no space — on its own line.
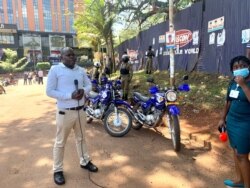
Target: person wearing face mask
(236,118)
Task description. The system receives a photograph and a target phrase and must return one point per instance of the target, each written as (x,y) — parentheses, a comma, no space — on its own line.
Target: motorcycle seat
(92,94)
(141,97)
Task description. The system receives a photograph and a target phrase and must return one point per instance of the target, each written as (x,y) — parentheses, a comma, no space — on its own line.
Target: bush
(10,56)
(23,67)
(43,65)
(21,62)
(85,63)
(5,68)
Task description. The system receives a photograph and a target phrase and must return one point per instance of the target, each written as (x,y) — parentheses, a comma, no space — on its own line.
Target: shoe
(59,178)
(90,166)
(230,183)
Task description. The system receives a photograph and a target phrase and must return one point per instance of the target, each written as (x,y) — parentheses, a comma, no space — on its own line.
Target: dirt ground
(141,159)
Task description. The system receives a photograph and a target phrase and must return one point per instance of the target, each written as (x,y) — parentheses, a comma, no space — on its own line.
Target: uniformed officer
(149,63)
(95,76)
(96,72)
(126,74)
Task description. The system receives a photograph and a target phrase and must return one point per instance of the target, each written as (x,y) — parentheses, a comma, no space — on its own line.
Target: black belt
(75,108)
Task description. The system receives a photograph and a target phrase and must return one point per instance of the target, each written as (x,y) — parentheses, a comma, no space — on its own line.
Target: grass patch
(207,92)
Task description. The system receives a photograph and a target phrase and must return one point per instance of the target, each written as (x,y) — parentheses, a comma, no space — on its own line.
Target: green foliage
(85,63)
(21,62)
(141,15)
(19,66)
(94,24)
(43,65)
(23,67)
(6,67)
(10,56)
(207,92)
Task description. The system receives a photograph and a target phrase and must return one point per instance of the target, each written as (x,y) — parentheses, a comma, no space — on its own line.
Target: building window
(10,12)
(6,38)
(25,15)
(1,11)
(56,14)
(71,16)
(35,4)
(47,16)
(63,15)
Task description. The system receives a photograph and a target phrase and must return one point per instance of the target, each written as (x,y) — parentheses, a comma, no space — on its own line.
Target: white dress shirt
(61,84)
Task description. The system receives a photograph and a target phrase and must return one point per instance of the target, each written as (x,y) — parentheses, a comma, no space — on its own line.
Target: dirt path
(141,159)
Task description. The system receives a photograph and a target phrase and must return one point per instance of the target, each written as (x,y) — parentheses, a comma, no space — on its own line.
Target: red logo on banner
(183,37)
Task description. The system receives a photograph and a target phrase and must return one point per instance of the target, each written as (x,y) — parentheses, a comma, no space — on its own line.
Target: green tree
(10,56)
(139,15)
(94,25)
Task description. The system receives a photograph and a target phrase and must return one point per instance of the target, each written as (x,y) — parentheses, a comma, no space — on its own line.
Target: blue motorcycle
(106,105)
(160,107)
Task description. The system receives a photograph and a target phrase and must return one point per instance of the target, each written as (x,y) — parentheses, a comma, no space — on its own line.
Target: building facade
(37,29)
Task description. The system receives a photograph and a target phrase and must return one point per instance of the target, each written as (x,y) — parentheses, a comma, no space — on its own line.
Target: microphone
(76,85)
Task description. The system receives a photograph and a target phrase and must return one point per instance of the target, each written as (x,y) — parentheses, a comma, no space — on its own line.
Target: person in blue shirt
(68,83)
(236,119)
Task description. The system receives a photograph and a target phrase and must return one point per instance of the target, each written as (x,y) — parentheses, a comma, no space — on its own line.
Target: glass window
(36,15)
(25,16)
(63,15)
(47,16)
(1,10)
(71,16)
(45,41)
(6,38)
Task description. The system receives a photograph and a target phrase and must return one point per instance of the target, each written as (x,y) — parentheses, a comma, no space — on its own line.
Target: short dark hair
(64,49)
(238,59)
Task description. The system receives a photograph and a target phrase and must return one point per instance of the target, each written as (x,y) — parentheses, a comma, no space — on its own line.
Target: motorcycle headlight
(171,96)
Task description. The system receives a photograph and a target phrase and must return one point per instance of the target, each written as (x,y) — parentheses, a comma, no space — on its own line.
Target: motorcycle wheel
(137,125)
(120,126)
(175,132)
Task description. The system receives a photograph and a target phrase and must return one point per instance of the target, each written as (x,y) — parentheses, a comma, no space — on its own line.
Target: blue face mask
(241,72)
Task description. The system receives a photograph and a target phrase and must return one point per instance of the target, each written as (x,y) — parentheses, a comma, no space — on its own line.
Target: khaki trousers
(125,84)
(65,121)
(149,65)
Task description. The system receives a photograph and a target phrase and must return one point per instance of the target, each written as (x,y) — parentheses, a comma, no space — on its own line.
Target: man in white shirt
(68,83)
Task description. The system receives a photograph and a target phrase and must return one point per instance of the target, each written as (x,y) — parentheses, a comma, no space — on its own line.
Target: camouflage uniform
(126,74)
(95,73)
(95,79)
(149,62)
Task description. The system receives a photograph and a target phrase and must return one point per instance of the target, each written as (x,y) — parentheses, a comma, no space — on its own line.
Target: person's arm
(224,114)
(51,88)
(241,81)
(226,107)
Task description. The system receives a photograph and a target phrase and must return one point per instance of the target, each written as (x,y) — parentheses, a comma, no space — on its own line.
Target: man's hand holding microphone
(78,93)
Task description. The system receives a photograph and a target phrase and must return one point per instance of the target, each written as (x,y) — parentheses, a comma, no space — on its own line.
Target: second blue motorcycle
(160,107)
